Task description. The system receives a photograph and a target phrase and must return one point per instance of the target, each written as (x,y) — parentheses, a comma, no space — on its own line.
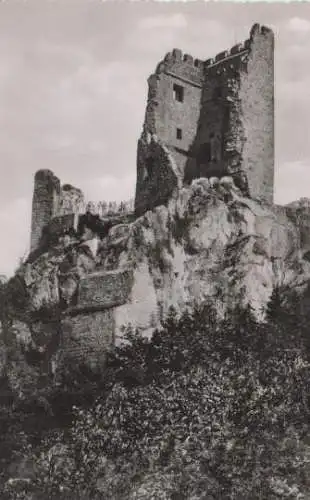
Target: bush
(204,409)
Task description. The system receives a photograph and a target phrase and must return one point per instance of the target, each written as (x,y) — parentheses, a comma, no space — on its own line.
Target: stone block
(103,290)
(86,338)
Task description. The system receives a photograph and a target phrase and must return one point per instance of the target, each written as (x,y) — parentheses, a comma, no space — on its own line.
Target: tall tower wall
(235,133)
(210,154)
(174,102)
(171,118)
(257,114)
(45,203)
(218,145)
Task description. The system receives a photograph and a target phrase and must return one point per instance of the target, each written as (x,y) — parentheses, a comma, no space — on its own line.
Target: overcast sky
(73,93)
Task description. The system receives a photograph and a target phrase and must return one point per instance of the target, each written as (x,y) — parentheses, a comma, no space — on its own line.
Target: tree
(205,408)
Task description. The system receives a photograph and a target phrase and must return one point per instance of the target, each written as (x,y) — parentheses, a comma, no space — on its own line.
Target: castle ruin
(210,118)
(58,209)
(203,119)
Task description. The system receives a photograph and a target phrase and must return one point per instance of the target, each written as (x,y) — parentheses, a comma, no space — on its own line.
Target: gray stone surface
(45,203)
(62,224)
(221,122)
(86,337)
(105,289)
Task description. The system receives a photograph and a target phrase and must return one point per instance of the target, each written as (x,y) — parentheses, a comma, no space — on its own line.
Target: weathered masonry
(210,118)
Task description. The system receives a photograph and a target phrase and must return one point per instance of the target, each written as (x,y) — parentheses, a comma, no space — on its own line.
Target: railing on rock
(101,208)
(104,208)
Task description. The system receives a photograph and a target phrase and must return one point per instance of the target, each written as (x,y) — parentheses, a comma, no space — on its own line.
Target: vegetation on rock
(204,409)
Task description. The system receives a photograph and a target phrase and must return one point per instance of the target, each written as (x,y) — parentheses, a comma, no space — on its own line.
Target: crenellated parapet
(201,111)
(227,63)
(182,66)
(237,50)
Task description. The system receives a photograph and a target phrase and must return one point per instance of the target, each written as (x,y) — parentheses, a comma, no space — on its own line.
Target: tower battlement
(182,66)
(215,117)
(204,118)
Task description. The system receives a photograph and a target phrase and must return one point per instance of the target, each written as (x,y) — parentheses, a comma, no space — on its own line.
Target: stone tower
(210,118)
(45,203)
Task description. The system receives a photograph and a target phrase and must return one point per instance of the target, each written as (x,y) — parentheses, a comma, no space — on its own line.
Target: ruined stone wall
(45,203)
(236,124)
(218,145)
(105,289)
(81,332)
(71,200)
(174,101)
(157,175)
(223,122)
(56,209)
(179,84)
(88,328)
(257,114)
(62,224)
(169,129)
(86,338)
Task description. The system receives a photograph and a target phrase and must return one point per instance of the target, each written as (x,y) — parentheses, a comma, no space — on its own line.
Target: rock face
(209,242)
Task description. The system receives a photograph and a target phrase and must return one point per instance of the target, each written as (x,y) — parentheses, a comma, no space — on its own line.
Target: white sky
(73,92)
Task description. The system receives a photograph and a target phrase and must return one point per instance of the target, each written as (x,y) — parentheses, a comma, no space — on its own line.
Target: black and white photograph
(155,250)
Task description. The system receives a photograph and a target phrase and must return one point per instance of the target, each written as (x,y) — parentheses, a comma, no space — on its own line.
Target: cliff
(210,243)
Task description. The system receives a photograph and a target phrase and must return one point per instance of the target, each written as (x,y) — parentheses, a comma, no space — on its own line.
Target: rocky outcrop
(209,242)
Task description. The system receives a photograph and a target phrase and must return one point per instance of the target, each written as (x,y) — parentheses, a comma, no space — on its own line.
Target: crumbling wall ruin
(198,123)
(54,207)
(257,114)
(71,200)
(157,174)
(58,209)
(216,117)
(86,339)
(45,203)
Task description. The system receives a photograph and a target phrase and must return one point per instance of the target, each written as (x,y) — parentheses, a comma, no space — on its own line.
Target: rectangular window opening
(179,133)
(178,93)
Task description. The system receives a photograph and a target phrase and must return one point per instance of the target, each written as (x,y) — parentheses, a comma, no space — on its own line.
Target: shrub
(203,409)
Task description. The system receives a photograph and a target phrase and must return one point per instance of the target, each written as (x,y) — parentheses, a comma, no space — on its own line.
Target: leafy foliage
(204,409)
